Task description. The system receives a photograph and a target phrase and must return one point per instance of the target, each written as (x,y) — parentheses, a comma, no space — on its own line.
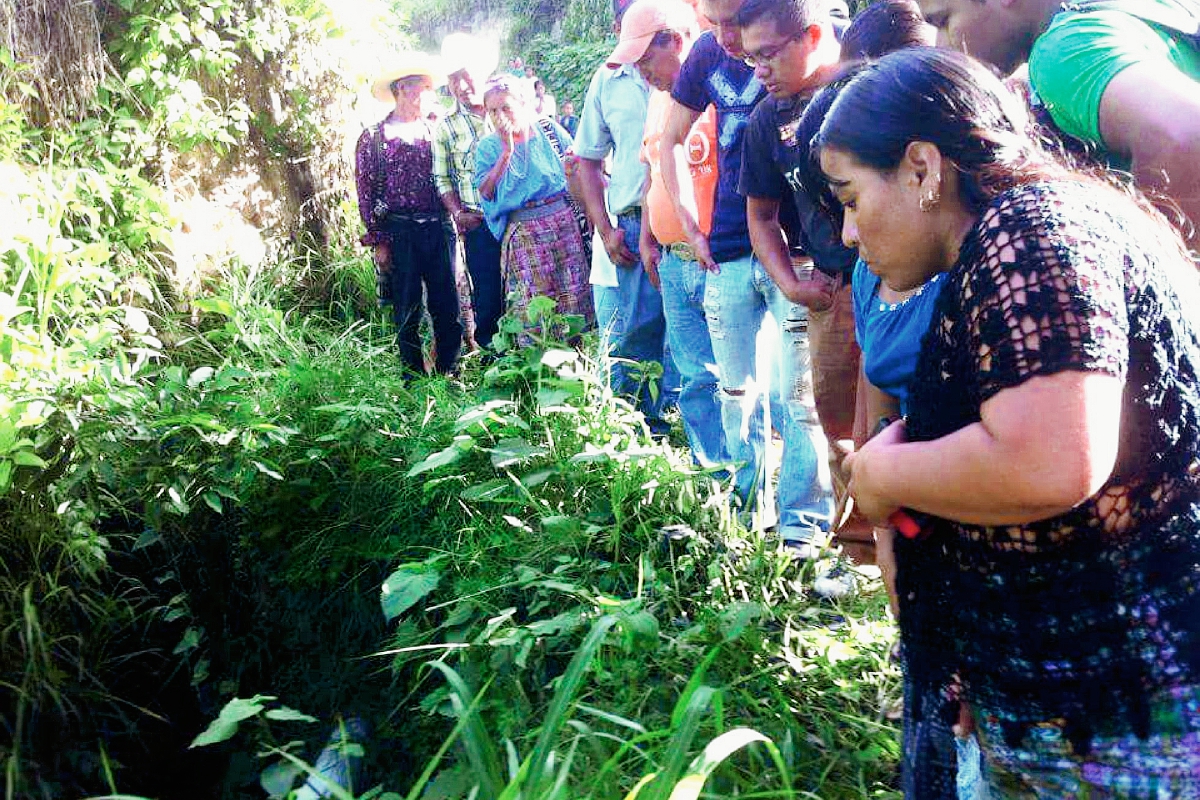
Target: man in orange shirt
(655,38)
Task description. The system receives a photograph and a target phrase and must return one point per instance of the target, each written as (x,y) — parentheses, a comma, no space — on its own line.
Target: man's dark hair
(882,27)
(790,17)
(808,175)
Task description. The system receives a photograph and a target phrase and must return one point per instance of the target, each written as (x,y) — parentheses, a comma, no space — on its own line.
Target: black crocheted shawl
(1078,616)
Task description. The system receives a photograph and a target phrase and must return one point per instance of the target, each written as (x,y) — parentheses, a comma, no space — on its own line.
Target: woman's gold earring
(929,201)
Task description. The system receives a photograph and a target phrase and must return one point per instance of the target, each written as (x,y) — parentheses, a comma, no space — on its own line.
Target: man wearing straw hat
(469,61)
(406,224)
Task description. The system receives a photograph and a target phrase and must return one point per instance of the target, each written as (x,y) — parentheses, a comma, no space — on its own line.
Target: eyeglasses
(764,57)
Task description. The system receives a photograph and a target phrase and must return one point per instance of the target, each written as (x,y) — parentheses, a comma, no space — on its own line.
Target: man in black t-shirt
(793,46)
(795,52)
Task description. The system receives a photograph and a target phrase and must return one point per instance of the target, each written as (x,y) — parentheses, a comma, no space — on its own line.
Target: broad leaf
(444,458)
(279,778)
(495,490)
(226,723)
(405,587)
(285,714)
(215,305)
(737,617)
(508,452)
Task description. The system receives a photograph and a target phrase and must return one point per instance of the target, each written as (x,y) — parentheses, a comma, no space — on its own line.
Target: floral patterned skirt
(1163,766)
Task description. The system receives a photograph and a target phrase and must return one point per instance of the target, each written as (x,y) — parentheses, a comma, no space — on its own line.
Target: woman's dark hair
(925,94)
(946,98)
(884,26)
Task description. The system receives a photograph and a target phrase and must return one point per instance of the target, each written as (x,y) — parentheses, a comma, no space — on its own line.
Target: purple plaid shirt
(409,184)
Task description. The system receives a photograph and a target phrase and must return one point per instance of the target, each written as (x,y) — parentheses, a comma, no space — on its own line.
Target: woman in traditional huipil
(1052,446)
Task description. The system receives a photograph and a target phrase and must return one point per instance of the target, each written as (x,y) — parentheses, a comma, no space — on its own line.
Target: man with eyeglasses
(738,291)
(793,47)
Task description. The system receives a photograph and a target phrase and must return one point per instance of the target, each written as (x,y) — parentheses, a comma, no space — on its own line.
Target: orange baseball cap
(646,18)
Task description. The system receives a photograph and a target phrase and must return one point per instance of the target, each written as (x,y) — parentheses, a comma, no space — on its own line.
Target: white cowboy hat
(463,51)
(405,65)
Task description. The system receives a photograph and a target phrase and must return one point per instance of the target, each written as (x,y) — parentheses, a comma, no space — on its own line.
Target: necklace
(903,297)
(522,170)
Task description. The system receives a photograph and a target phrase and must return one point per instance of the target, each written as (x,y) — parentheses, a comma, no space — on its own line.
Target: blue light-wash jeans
(691,350)
(736,301)
(637,331)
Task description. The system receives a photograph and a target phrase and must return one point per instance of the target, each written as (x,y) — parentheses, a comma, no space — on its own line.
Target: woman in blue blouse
(521,179)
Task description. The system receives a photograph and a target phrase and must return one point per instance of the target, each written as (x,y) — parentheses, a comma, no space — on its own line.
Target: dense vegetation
(228,523)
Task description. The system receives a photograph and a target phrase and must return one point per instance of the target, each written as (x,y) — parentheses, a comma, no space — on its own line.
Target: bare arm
(1040,449)
(591,178)
(488,188)
(648,245)
(771,248)
(677,178)
(877,404)
(1152,116)
(464,220)
(871,405)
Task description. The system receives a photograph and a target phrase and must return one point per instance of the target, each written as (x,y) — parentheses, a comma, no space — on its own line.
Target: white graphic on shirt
(698,149)
(735,105)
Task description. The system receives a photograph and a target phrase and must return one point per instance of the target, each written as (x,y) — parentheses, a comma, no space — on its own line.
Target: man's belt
(683,251)
(417,217)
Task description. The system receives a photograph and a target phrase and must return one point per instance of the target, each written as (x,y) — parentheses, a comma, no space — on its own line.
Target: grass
(227,516)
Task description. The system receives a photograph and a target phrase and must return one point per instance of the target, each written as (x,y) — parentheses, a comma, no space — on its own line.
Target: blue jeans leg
(643,331)
(608,317)
(734,311)
(805,491)
(692,353)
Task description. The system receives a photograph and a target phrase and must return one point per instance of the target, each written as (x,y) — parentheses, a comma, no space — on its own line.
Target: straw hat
(478,56)
(404,65)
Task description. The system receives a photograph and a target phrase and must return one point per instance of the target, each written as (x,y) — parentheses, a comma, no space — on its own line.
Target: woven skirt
(1044,765)
(543,254)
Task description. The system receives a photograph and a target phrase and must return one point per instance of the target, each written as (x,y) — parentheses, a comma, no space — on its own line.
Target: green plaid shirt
(454,155)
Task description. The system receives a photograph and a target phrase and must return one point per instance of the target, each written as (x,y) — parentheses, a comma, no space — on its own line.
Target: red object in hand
(902,521)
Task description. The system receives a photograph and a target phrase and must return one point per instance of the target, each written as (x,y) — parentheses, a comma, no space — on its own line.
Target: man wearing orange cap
(611,122)
(663,246)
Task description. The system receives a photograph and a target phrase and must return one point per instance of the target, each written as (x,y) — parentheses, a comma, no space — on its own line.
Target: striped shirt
(454,144)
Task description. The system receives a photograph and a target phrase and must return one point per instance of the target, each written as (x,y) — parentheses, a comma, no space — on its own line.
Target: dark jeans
(487,290)
(421,256)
